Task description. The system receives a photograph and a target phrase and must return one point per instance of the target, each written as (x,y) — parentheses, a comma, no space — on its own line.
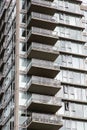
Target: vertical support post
(16,110)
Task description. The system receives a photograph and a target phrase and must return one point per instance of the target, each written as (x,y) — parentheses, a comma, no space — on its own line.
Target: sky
(84,1)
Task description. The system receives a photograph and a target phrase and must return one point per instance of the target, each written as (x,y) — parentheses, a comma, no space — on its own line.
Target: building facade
(43,66)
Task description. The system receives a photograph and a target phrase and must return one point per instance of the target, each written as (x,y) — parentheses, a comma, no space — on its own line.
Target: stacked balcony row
(40,68)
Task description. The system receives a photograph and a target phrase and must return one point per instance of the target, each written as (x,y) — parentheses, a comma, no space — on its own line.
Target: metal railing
(40,31)
(43,99)
(41,81)
(41,64)
(39,46)
(42,118)
(44,17)
(53,5)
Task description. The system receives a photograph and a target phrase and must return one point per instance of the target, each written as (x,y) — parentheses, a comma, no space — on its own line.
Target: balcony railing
(41,80)
(44,47)
(53,19)
(41,64)
(43,32)
(43,17)
(43,100)
(53,5)
(42,118)
(50,86)
(50,52)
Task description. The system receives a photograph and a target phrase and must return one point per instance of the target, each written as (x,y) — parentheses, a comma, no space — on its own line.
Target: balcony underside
(44,88)
(34,125)
(42,38)
(1,109)
(43,107)
(42,23)
(1,93)
(43,71)
(0,126)
(44,54)
(41,8)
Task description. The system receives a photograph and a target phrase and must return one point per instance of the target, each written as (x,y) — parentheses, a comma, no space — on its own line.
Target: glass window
(79,93)
(63,45)
(62,32)
(85,111)
(64,59)
(85,126)
(67,32)
(70,76)
(80,49)
(74,47)
(66,4)
(61,16)
(65,76)
(66,106)
(71,92)
(75,62)
(73,125)
(68,47)
(68,124)
(72,20)
(77,78)
(84,94)
(79,110)
(82,79)
(73,111)
(69,60)
(80,126)
(65,89)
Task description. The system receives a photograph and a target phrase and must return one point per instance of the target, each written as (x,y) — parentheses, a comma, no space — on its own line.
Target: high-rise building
(43,66)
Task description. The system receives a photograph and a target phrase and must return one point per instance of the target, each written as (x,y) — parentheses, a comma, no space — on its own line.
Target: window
(73,109)
(68,46)
(65,76)
(72,20)
(67,106)
(65,89)
(67,32)
(69,60)
(77,78)
(73,125)
(70,76)
(61,16)
(64,60)
(71,92)
(76,62)
(66,4)
(67,125)
(63,45)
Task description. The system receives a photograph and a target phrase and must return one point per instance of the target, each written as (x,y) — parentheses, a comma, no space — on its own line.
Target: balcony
(42,36)
(43,104)
(49,7)
(41,51)
(2,26)
(1,107)
(40,85)
(1,77)
(49,21)
(1,92)
(1,62)
(41,68)
(2,50)
(42,20)
(41,121)
(3,7)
